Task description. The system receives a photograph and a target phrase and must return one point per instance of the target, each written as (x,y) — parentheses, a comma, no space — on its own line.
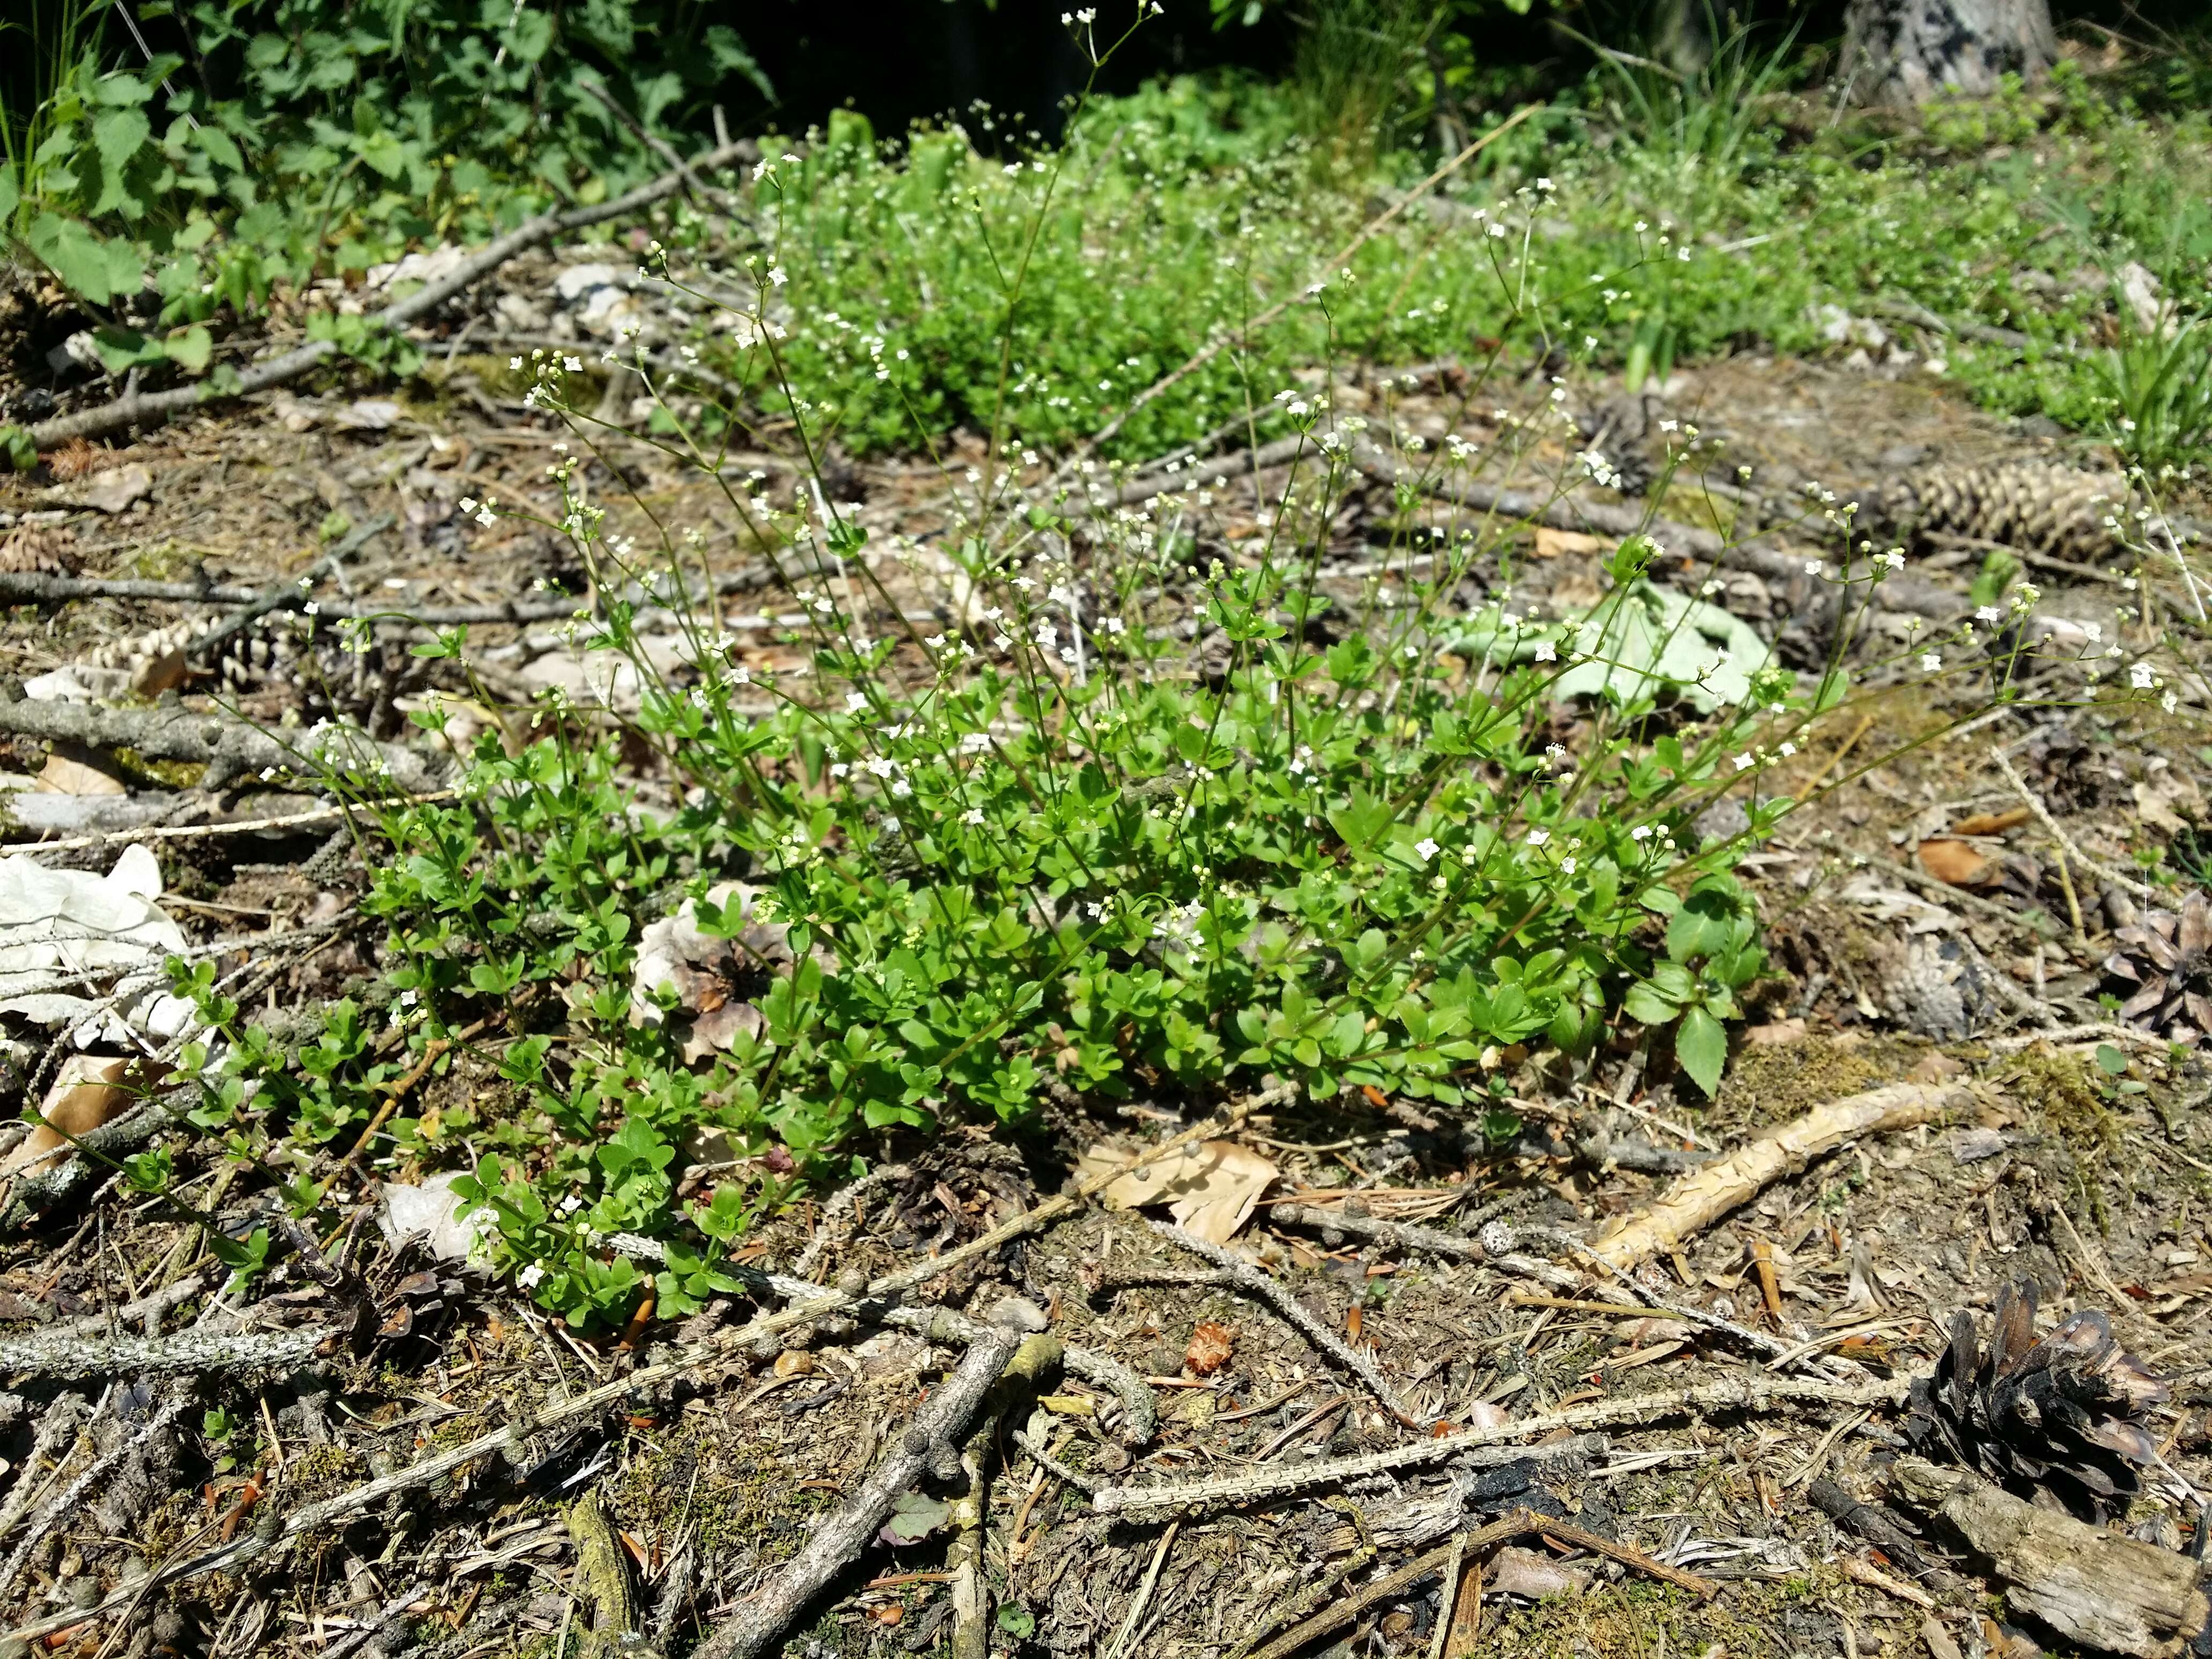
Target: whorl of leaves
(2061,1416)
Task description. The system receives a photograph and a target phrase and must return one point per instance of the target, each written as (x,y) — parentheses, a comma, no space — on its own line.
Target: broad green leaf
(1702,1047)
(74,254)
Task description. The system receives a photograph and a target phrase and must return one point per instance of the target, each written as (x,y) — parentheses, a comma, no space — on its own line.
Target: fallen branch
(1241,1275)
(2089,1586)
(2067,843)
(23,587)
(1755,1392)
(760,1623)
(28,1194)
(231,826)
(228,748)
(1403,1234)
(150,1306)
(49,1353)
(1519,1524)
(1564,510)
(1705,1196)
(64,1505)
(150,409)
(287,595)
(1140,1413)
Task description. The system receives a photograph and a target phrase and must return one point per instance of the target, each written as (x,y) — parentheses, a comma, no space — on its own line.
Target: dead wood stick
(2034,804)
(228,748)
(53,1353)
(1567,511)
(152,1306)
(661,147)
(289,594)
(1702,1197)
(150,409)
(1142,1599)
(232,827)
(1139,1413)
(1306,1600)
(2093,1588)
(29,1192)
(19,587)
(1208,473)
(1244,1276)
(1518,1524)
(1880,1529)
(1627,1554)
(1755,1392)
(1063,1204)
(1402,1233)
(760,1622)
(1690,1313)
(1447,1604)
(1328,273)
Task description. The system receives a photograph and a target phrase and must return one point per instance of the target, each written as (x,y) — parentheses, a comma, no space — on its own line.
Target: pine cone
(2061,1418)
(2024,504)
(2166,957)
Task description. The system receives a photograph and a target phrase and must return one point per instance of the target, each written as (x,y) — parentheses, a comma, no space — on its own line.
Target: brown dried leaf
(90,1091)
(1991,823)
(1956,863)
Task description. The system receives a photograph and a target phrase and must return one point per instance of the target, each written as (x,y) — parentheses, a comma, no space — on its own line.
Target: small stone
(766,1346)
(794,1362)
(915,1442)
(1497,1239)
(852,1282)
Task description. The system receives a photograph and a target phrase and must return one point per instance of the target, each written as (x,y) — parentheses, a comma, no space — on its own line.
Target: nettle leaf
(1701,1045)
(74,254)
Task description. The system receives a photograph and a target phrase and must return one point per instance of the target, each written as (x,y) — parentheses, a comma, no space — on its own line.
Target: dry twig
(1753,1393)
(943,1422)
(1701,1199)
(1240,1275)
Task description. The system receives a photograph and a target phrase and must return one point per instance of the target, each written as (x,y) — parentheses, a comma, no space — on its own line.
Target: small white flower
(1567,864)
(1744,763)
(1546,652)
(530,1277)
(1990,614)
(1642,832)
(514,363)
(1930,662)
(1787,750)
(1426,848)
(855,701)
(573,365)
(777,275)
(2142,677)
(1814,568)
(1538,837)
(2170,701)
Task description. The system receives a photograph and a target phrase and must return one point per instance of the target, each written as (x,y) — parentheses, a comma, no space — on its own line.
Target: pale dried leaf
(1210,1189)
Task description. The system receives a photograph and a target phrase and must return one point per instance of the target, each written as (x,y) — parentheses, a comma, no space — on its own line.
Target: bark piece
(1702,1198)
(2093,1588)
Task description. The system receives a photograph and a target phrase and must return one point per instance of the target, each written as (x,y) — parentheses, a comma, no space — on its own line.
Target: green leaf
(116,134)
(1016,1620)
(1361,819)
(74,254)
(1645,1005)
(190,348)
(1701,1045)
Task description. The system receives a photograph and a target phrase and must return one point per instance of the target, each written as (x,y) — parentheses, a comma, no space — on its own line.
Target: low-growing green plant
(2158,380)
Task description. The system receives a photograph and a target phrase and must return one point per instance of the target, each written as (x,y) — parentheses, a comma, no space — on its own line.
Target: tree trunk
(1906,51)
